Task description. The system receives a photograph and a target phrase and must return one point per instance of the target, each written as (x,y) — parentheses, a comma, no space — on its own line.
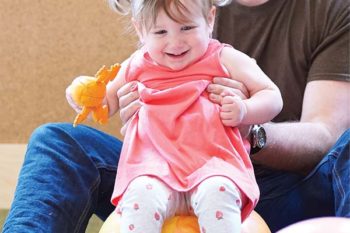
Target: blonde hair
(146,11)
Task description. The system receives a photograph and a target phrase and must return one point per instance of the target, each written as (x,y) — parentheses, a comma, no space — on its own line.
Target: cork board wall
(43,46)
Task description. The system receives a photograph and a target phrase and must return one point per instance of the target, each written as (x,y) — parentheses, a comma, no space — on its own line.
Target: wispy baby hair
(146,11)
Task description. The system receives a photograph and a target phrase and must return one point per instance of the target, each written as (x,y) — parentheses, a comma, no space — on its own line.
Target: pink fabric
(177,135)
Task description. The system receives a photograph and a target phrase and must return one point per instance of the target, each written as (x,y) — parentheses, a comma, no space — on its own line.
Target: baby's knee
(215,184)
(216,201)
(215,191)
(146,185)
(148,192)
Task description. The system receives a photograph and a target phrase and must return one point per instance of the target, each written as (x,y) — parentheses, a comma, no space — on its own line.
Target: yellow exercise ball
(188,224)
(254,224)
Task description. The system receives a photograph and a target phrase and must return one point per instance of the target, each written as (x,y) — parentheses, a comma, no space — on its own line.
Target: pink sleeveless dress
(177,135)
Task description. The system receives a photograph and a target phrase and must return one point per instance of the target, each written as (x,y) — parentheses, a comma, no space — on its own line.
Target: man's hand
(226,87)
(129,103)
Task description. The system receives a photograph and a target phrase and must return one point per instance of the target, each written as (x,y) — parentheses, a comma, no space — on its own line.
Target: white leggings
(147,202)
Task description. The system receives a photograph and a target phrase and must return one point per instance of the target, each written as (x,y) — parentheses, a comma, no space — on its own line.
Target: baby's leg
(145,205)
(217,203)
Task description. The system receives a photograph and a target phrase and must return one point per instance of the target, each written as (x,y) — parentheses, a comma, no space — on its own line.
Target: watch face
(261,137)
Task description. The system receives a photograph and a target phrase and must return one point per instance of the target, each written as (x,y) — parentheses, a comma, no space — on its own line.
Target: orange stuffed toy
(89,93)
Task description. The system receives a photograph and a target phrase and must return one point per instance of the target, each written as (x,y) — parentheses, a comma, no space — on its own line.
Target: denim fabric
(68,174)
(287,198)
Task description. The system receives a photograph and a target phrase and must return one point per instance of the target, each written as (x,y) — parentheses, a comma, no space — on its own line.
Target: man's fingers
(229,87)
(127,88)
(124,128)
(128,111)
(215,98)
(127,99)
(227,82)
(129,102)
(127,94)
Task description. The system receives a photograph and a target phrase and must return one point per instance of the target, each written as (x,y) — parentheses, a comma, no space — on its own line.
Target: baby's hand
(233,110)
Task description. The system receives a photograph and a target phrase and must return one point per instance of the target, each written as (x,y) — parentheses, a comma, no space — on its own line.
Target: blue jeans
(287,198)
(68,174)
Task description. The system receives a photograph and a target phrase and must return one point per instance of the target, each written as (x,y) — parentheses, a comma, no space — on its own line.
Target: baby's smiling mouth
(177,55)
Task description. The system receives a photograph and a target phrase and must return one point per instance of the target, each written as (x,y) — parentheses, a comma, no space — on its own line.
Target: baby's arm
(264,101)
(113,87)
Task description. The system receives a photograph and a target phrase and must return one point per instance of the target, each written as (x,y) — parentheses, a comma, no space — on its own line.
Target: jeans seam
(93,187)
(338,184)
(108,168)
(337,178)
(85,212)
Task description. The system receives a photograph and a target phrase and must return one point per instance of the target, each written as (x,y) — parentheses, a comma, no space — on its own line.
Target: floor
(11,159)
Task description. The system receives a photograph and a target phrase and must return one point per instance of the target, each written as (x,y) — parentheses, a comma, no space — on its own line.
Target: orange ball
(181,224)
(188,224)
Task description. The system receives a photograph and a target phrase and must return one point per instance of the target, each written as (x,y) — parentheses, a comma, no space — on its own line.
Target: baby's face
(176,45)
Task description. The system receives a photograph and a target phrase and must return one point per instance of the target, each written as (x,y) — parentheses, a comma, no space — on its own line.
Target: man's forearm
(295,146)
(300,146)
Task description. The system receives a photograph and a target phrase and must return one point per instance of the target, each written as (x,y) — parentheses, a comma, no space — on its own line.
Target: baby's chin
(174,66)
(177,68)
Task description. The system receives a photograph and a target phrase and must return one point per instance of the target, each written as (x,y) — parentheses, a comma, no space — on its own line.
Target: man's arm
(299,146)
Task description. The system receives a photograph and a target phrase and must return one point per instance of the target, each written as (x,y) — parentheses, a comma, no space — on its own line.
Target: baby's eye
(186,28)
(160,32)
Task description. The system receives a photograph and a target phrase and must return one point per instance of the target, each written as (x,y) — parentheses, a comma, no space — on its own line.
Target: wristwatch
(257,138)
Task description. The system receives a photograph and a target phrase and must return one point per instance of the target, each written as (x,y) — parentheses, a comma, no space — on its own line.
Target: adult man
(303,46)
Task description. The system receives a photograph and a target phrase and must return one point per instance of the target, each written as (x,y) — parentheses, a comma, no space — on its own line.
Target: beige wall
(43,46)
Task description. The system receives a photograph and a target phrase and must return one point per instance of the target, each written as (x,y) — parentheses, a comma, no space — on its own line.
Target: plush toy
(89,93)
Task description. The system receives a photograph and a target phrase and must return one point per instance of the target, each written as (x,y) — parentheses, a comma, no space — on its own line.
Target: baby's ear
(138,28)
(211,18)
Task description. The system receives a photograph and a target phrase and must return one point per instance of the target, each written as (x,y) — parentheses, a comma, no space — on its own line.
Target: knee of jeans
(47,131)
(54,139)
